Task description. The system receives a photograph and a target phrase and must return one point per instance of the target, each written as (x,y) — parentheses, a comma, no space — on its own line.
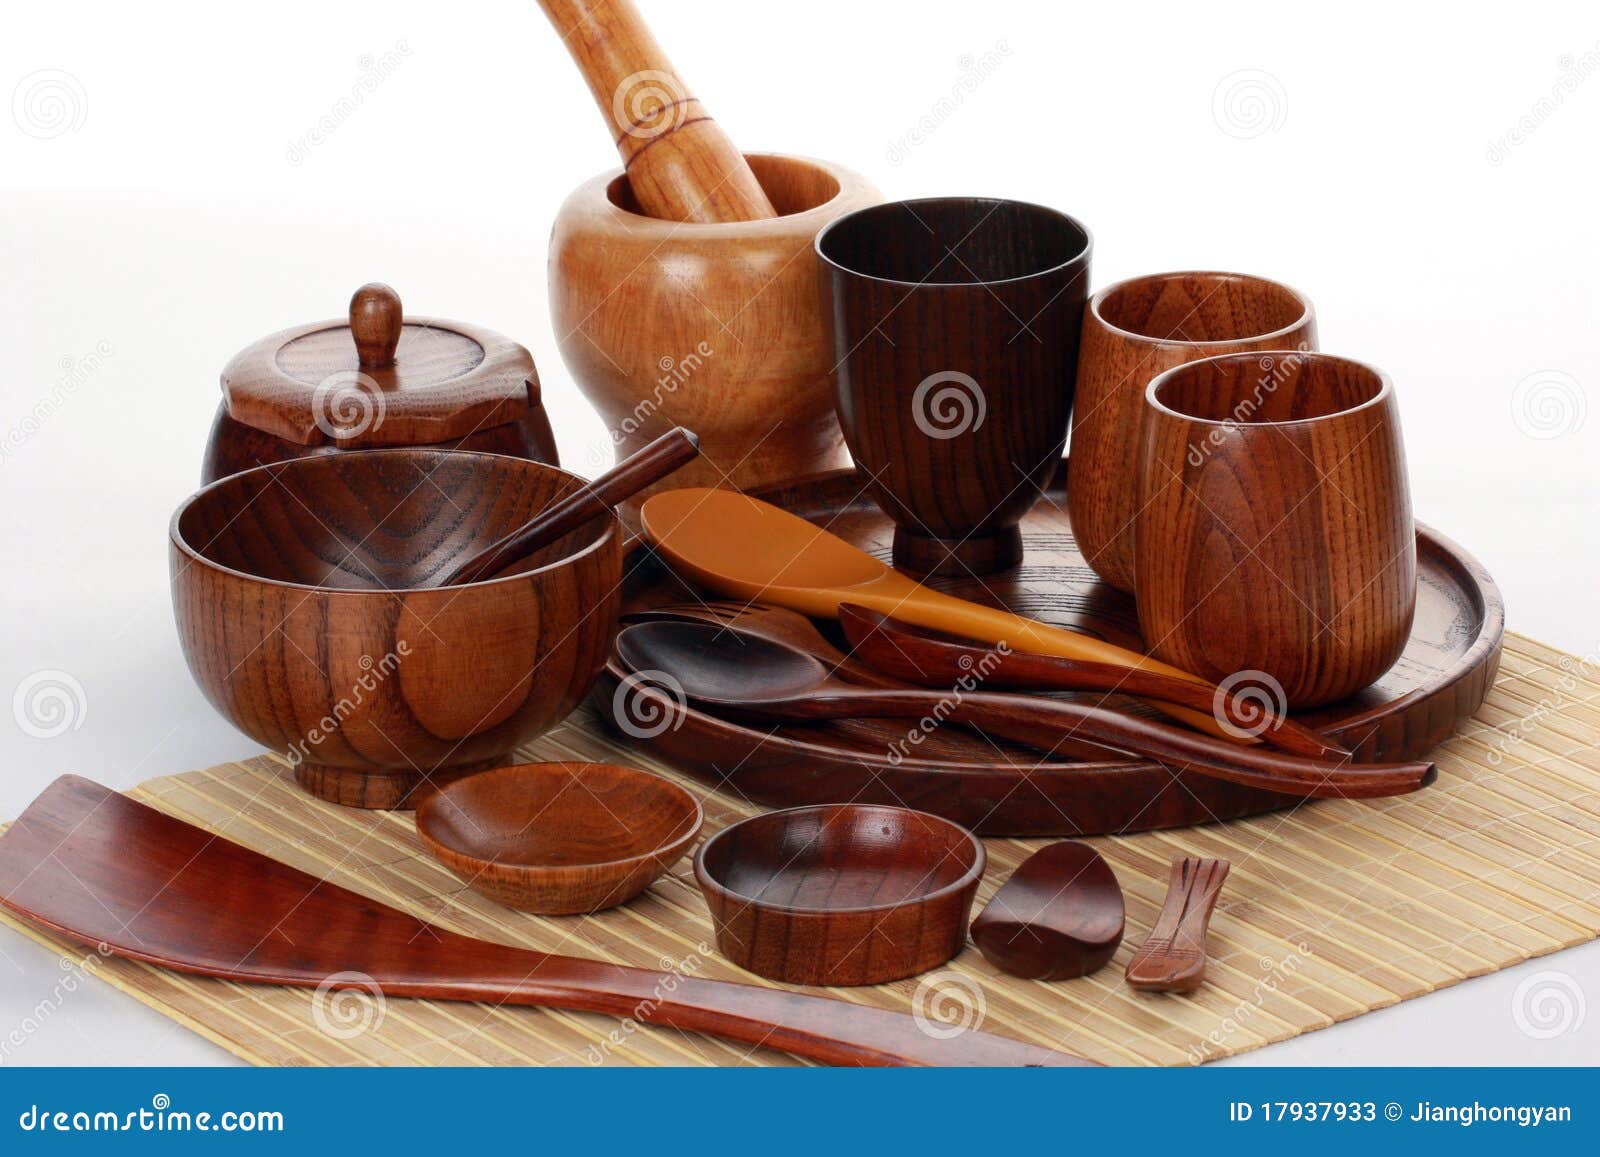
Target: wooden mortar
(717,327)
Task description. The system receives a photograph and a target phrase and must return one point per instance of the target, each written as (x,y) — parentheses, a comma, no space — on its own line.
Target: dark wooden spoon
(734,672)
(792,629)
(100,868)
(654,462)
(933,659)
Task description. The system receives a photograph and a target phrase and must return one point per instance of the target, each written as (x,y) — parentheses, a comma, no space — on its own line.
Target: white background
(155,214)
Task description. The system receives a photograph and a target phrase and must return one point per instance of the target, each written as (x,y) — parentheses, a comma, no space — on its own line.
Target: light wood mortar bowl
(717,327)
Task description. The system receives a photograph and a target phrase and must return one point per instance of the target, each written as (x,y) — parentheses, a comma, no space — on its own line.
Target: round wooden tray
(998,789)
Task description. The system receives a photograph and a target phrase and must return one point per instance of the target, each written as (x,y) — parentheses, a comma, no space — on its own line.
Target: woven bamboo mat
(1332,909)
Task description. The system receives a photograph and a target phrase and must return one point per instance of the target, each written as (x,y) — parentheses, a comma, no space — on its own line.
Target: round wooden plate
(998,789)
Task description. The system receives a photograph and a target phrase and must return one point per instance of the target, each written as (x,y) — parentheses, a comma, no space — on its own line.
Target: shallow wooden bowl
(559,838)
(840,894)
(305,611)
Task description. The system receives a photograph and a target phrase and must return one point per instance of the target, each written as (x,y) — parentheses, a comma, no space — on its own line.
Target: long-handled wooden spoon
(733,672)
(649,465)
(748,549)
(931,659)
(100,868)
(793,629)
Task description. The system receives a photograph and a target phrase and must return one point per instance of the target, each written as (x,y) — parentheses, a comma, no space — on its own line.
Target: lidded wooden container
(378,379)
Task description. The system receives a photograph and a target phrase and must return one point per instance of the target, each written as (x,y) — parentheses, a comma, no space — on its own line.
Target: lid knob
(375,320)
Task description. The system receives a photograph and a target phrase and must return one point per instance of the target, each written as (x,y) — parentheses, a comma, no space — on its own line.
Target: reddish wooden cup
(1274,540)
(1133,331)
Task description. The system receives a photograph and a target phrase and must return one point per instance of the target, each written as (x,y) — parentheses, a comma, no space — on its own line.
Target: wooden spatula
(752,550)
(100,868)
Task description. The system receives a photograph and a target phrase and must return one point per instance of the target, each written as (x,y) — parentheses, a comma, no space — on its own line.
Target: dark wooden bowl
(559,838)
(841,894)
(305,613)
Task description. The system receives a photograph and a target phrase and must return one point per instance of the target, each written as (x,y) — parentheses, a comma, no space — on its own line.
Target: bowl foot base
(975,555)
(381,790)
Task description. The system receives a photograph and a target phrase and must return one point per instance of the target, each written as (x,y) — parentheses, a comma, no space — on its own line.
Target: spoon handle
(925,661)
(1171,746)
(925,607)
(651,464)
(1173,959)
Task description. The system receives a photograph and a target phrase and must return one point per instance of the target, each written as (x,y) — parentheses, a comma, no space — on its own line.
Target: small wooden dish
(841,894)
(1059,916)
(559,838)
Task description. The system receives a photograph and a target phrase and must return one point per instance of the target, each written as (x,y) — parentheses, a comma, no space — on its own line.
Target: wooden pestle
(682,166)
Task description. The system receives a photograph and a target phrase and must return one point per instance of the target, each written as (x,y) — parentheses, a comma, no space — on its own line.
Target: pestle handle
(682,166)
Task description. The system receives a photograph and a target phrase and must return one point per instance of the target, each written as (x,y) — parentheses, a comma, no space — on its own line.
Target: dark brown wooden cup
(1274,548)
(955,326)
(1132,331)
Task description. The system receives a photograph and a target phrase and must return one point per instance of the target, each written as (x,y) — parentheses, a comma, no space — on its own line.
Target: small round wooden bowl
(559,839)
(841,894)
(308,616)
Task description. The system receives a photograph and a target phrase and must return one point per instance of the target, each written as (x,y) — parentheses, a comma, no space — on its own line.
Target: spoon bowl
(720,665)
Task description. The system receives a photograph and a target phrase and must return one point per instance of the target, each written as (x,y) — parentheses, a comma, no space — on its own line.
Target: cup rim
(1382,395)
(193,556)
(1079,258)
(1307,311)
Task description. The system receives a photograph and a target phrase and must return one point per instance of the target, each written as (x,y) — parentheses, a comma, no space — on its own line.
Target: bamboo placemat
(1332,909)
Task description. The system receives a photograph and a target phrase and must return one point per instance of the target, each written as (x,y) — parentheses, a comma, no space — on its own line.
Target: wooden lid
(379,380)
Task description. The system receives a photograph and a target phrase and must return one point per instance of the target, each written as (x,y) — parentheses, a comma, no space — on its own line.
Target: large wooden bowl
(304,606)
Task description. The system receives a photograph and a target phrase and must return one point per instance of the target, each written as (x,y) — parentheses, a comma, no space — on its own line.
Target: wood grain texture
(842,894)
(1133,331)
(430,381)
(233,446)
(742,547)
(559,838)
(1059,916)
(307,613)
(999,789)
(100,868)
(1274,540)
(713,327)
(725,671)
(955,337)
(377,380)
(928,658)
(1173,958)
(680,163)
(795,630)
(595,499)
(1334,910)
